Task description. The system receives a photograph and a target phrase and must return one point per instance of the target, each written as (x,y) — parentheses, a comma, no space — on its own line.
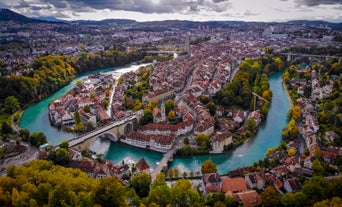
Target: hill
(8,15)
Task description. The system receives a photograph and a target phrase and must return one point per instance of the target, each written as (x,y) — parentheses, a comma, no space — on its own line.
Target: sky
(194,10)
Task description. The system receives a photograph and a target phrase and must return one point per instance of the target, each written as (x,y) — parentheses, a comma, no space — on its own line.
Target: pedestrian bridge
(112,131)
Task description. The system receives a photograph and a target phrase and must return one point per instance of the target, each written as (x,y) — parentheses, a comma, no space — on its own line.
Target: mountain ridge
(11,16)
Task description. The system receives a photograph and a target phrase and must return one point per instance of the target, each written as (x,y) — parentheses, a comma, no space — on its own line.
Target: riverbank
(287,94)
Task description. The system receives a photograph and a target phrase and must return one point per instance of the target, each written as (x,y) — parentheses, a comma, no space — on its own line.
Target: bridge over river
(292,57)
(164,161)
(112,131)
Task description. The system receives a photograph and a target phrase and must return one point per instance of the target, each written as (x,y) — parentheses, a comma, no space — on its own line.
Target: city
(203,89)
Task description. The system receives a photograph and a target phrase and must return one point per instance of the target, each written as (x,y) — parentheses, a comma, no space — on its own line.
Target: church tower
(162,111)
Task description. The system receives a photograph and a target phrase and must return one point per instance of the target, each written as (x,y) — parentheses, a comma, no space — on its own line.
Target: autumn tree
(169,105)
(110,192)
(270,197)
(208,167)
(171,115)
(202,140)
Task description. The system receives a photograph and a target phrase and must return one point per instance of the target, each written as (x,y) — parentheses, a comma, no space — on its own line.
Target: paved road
(30,154)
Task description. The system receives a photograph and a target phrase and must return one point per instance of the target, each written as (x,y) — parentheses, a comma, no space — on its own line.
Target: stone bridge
(292,57)
(112,131)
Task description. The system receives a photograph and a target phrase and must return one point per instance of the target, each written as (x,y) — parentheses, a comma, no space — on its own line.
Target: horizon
(267,11)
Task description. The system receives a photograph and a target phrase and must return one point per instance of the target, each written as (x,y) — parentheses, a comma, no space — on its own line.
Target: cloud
(249,13)
(319,2)
(143,6)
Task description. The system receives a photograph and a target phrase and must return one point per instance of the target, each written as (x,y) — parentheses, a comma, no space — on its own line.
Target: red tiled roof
(233,184)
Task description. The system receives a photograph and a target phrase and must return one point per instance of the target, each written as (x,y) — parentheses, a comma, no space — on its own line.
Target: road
(30,154)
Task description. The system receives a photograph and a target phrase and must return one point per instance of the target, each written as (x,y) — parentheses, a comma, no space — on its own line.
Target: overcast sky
(196,10)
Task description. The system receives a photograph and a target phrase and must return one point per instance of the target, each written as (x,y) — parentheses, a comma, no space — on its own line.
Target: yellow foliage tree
(291,152)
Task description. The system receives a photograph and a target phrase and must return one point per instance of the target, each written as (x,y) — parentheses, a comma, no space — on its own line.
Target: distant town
(203,89)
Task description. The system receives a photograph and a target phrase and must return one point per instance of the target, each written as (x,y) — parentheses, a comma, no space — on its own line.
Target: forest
(41,183)
(252,76)
(49,73)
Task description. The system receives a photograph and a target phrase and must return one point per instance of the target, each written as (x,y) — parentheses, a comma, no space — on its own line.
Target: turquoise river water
(35,118)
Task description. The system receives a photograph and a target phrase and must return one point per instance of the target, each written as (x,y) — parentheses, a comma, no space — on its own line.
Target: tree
(86,108)
(202,140)
(24,134)
(183,195)
(141,184)
(270,197)
(110,192)
(62,195)
(160,191)
(208,167)
(186,141)
(77,117)
(171,115)
(291,152)
(211,106)
(317,168)
(315,189)
(169,105)
(38,138)
(251,125)
(64,144)
(105,103)
(335,201)
(6,128)
(11,105)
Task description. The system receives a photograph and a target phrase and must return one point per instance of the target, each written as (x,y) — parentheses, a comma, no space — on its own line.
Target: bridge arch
(128,128)
(110,136)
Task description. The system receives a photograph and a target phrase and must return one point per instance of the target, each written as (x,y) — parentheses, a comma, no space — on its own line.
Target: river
(35,118)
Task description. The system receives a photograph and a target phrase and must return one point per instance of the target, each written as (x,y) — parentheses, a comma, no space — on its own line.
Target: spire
(162,111)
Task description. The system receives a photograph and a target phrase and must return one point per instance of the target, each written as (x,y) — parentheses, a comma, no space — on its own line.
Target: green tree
(64,144)
(251,125)
(38,138)
(183,195)
(24,134)
(110,192)
(77,117)
(169,105)
(86,108)
(141,184)
(202,140)
(62,157)
(160,191)
(315,189)
(11,105)
(208,167)
(186,141)
(105,103)
(317,168)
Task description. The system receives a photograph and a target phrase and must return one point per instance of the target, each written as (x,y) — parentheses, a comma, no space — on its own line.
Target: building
(220,140)
(212,182)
